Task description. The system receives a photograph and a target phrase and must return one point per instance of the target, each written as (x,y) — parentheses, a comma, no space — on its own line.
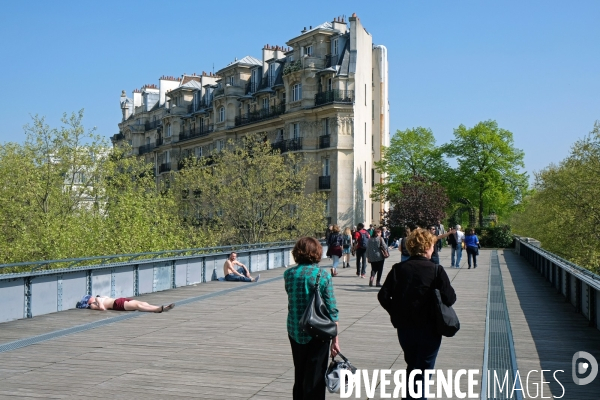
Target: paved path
(234,345)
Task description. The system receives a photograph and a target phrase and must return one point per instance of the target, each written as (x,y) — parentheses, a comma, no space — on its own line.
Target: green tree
(563,211)
(412,152)
(250,194)
(488,170)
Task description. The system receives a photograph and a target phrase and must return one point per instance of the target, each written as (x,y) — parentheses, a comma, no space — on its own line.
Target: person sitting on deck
(104,303)
(240,274)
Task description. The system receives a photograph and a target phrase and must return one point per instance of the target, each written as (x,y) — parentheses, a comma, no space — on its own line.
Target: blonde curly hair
(419,241)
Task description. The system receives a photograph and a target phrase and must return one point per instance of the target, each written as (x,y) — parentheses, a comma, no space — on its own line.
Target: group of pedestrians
(460,241)
(405,295)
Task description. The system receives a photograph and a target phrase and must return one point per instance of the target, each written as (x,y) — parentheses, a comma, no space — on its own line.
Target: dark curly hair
(307,250)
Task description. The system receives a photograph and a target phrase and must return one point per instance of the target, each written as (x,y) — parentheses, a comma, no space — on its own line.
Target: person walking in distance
(435,257)
(405,254)
(361,237)
(346,244)
(457,251)
(472,247)
(334,244)
(375,248)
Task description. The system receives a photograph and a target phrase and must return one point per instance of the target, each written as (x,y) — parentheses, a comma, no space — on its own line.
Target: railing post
(112,283)
(173,272)
(578,295)
(27,288)
(267,260)
(568,286)
(136,280)
(59,290)
(203,269)
(592,307)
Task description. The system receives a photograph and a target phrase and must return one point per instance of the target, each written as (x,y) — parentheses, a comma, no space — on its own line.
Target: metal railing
(578,285)
(28,289)
(324,141)
(288,145)
(159,142)
(324,182)
(331,60)
(149,125)
(334,96)
(147,148)
(164,167)
(260,115)
(200,131)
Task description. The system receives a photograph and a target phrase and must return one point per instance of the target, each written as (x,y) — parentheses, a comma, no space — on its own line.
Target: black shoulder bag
(446,320)
(316,321)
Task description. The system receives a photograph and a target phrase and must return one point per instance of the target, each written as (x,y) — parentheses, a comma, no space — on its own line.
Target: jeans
(310,364)
(237,278)
(420,346)
(435,259)
(458,252)
(336,261)
(361,254)
(472,252)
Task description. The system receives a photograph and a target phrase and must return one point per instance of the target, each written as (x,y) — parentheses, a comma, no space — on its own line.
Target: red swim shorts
(120,303)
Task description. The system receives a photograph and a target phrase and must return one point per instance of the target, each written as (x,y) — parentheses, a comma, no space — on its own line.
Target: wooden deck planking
(235,346)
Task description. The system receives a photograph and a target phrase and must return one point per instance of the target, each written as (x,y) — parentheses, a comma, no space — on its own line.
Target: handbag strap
(317,281)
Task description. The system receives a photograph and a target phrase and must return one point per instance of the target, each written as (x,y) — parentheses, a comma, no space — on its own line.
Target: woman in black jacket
(407,296)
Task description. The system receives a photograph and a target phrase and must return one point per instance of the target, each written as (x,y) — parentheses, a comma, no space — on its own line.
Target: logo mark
(582,367)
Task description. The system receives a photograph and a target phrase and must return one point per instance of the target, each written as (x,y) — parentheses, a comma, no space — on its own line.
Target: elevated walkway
(228,340)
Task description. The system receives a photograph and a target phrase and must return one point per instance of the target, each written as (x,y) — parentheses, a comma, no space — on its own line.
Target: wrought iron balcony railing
(324,182)
(334,96)
(152,124)
(164,167)
(147,148)
(324,141)
(331,60)
(288,145)
(260,115)
(200,131)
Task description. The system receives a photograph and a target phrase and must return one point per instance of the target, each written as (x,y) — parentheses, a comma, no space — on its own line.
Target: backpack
(347,240)
(452,241)
(364,238)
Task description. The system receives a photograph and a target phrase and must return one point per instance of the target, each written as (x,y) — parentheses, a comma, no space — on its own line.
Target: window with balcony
(295,133)
(168,134)
(221,114)
(265,105)
(326,167)
(308,50)
(297,92)
(230,80)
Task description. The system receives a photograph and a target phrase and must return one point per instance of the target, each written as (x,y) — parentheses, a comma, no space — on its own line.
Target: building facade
(324,95)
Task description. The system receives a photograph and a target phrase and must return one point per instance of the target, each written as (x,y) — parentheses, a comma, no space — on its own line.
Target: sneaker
(257,278)
(363,276)
(169,307)
(378,284)
(371,282)
(358,273)
(475,266)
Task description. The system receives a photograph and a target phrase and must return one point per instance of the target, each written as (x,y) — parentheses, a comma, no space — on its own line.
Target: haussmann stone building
(324,94)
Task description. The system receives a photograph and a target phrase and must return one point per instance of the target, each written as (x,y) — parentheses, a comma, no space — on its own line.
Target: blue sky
(530,65)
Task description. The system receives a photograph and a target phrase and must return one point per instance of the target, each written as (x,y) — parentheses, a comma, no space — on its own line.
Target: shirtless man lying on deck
(104,303)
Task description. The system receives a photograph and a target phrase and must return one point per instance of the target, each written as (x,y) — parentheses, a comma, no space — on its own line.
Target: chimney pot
(353,15)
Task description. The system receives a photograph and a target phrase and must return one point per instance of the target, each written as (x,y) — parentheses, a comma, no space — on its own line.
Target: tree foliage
(250,193)
(64,193)
(419,202)
(488,167)
(412,152)
(563,211)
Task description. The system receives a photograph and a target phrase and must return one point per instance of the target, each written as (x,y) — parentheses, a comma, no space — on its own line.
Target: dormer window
(334,48)
(307,50)
(230,80)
